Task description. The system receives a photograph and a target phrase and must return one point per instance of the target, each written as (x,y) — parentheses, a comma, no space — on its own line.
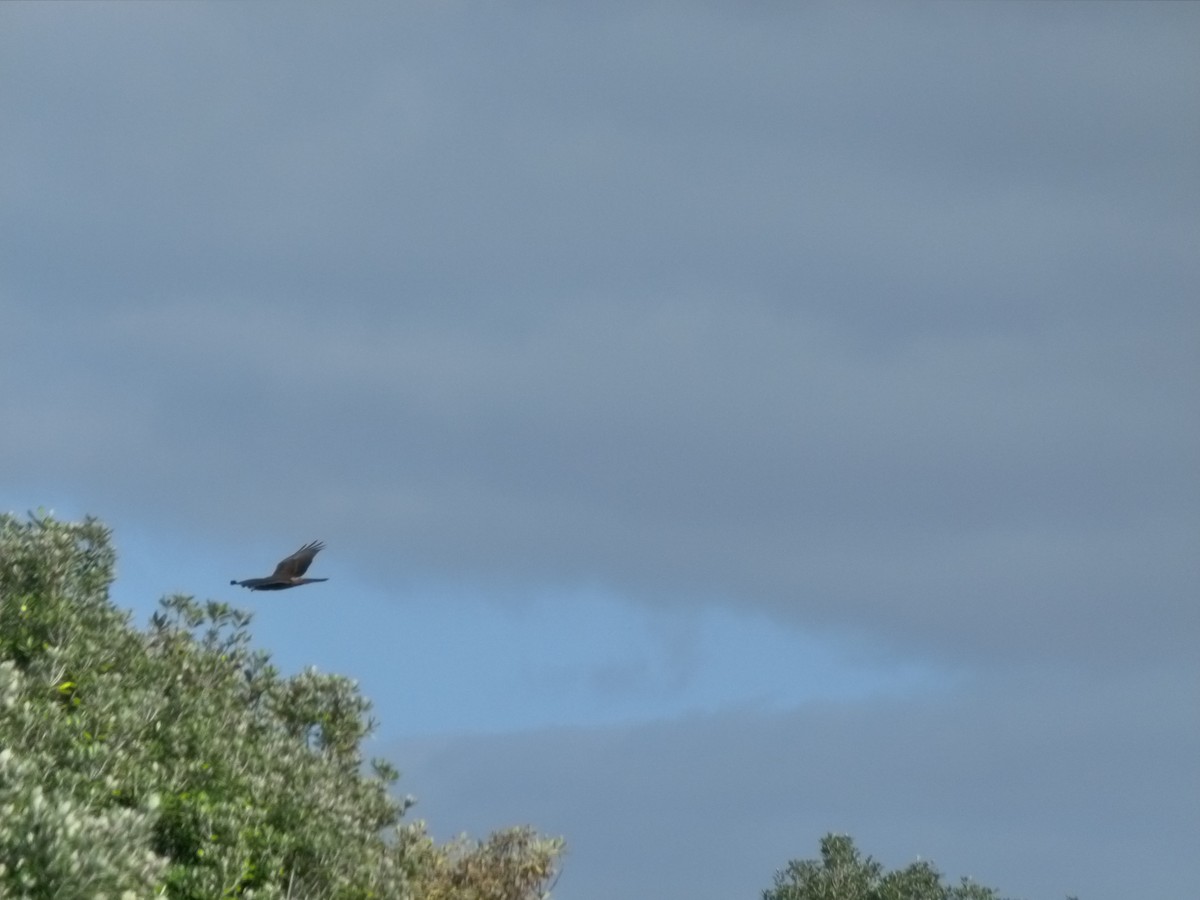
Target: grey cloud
(742,153)
(969,496)
(1040,787)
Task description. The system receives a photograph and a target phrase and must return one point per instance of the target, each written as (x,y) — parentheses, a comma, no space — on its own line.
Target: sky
(728,423)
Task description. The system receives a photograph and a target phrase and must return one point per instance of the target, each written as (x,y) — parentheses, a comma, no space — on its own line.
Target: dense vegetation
(177,762)
(843,874)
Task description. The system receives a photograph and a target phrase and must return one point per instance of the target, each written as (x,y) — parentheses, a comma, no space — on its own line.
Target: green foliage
(842,874)
(177,762)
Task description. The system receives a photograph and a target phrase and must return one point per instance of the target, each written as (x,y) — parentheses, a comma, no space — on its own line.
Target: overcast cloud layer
(876,324)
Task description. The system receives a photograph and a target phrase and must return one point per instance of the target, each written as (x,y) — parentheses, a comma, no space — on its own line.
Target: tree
(177,762)
(842,874)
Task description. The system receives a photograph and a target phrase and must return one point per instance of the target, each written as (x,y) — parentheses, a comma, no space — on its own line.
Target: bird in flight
(287,573)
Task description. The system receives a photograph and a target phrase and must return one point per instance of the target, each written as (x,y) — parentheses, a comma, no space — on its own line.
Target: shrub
(178,762)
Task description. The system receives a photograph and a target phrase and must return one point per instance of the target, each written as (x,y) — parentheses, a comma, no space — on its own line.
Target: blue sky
(727,425)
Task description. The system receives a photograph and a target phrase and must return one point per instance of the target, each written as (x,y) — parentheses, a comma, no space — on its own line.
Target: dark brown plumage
(287,573)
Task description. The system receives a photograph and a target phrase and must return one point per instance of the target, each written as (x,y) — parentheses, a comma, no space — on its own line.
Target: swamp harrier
(287,573)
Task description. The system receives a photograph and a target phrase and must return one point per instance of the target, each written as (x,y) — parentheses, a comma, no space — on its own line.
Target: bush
(842,874)
(177,762)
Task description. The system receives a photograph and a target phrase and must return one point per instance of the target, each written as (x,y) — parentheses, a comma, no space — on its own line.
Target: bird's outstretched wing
(297,564)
